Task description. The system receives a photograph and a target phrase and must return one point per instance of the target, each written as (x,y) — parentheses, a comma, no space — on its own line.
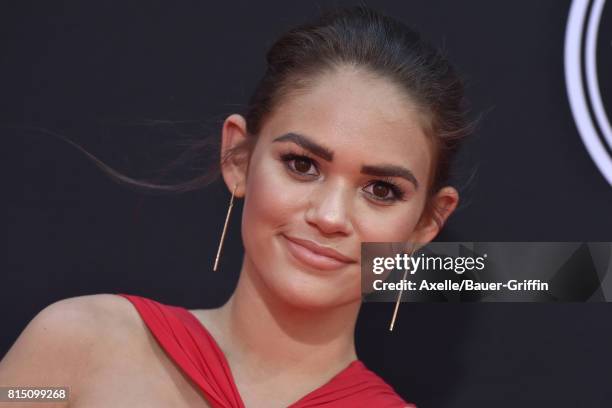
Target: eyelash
(398,193)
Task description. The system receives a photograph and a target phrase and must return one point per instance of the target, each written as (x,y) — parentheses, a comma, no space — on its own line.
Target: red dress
(187,342)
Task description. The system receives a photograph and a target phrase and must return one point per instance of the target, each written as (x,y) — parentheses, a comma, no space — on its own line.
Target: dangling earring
(399,296)
(227,217)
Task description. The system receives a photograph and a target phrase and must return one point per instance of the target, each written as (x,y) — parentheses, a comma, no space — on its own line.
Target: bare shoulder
(85,318)
(94,313)
(98,305)
(65,339)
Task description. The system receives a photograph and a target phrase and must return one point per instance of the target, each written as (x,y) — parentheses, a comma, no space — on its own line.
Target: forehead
(361,117)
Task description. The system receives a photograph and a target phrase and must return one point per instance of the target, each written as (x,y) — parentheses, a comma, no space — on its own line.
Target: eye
(385,190)
(299,164)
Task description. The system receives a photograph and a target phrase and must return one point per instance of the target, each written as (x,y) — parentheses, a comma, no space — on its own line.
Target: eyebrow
(389,170)
(380,170)
(315,148)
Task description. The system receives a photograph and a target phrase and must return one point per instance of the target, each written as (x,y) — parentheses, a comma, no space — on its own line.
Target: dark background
(126,79)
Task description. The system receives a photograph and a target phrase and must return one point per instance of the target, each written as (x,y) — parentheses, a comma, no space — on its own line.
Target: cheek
(270,201)
(391,224)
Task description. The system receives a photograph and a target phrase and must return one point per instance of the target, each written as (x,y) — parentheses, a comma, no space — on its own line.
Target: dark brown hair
(357,37)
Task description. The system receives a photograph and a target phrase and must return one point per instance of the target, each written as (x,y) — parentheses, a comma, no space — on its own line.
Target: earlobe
(234,157)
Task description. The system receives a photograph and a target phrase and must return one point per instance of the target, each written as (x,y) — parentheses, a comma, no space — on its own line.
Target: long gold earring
(399,296)
(227,217)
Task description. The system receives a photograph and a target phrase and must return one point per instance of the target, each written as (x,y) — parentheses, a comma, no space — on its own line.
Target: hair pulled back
(356,37)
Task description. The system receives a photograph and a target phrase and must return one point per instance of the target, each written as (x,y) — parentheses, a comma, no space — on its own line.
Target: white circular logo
(582,82)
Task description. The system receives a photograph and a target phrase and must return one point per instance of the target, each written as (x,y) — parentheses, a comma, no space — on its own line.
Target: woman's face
(342,163)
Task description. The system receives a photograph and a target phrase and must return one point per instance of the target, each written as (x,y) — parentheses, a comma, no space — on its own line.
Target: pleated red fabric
(187,342)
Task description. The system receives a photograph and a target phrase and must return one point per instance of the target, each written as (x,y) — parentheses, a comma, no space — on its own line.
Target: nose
(329,209)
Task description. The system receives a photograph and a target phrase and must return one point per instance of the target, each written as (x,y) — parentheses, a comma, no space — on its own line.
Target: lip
(315,255)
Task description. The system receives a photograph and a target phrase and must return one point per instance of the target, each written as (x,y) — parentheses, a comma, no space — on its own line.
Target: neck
(286,338)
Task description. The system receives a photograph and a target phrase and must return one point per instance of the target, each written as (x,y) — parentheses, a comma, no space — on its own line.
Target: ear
(234,169)
(442,205)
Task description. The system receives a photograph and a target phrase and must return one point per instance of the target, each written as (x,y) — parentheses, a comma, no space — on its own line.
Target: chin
(304,287)
(293,283)
(302,295)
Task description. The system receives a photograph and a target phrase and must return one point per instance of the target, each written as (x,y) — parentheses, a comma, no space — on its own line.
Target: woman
(347,138)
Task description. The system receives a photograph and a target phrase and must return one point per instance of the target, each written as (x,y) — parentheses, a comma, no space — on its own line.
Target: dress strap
(192,348)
